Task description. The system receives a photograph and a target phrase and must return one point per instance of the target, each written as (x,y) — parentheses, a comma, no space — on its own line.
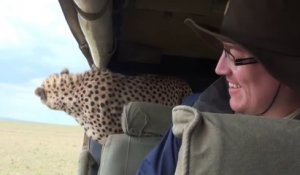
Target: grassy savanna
(39,149)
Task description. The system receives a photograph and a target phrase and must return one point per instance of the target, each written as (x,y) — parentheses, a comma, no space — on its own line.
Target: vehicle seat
(143,124)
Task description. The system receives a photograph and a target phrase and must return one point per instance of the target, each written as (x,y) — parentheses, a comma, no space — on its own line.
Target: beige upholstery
(122,154)
(144,124)
(214,144)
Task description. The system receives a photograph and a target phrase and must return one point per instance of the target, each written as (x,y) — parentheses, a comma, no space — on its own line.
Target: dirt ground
(39,149)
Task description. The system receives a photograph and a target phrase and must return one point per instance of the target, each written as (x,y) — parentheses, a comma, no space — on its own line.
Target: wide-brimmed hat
(269,29)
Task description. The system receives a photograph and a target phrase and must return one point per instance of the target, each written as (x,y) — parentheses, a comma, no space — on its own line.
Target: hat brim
(215,40)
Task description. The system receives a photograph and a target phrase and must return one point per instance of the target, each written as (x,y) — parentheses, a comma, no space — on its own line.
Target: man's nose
(222,67)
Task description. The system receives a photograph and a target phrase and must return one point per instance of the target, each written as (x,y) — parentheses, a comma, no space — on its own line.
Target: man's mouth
(234,85)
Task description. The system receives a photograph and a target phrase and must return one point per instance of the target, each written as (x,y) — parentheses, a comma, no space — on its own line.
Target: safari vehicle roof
(148,36)
(159,24)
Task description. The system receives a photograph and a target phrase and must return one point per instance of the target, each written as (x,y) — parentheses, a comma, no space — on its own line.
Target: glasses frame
(239,61)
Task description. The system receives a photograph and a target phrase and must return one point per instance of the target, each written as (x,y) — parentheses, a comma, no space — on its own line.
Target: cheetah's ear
(65,71)
(41,93)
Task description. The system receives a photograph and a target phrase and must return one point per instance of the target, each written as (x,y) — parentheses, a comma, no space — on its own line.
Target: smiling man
(252,89)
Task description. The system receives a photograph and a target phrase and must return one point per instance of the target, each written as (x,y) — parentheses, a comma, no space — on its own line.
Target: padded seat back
(143,124)
(122,154)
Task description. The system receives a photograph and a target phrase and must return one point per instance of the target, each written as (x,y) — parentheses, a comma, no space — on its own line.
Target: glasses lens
(234,62)
(230,58)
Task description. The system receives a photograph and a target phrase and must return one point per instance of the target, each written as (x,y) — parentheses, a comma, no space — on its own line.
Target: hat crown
(267,24)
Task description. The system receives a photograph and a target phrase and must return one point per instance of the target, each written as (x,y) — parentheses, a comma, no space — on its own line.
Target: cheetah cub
(96,98)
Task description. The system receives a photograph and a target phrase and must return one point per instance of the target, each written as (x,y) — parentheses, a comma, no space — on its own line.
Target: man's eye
(226,52)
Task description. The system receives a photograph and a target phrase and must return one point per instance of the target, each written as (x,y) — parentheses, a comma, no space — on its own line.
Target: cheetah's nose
(41,93)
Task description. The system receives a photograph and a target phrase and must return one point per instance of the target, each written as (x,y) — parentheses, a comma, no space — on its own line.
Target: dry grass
(39,149)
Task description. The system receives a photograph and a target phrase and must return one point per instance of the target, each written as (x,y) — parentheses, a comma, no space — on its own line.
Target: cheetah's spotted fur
(96,98)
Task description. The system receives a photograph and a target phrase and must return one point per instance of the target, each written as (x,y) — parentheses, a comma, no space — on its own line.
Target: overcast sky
(35,42)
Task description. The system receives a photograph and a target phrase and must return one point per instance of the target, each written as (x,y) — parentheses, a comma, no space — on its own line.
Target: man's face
(251,87)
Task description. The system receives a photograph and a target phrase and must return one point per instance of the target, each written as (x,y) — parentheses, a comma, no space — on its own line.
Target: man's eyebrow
(230,46)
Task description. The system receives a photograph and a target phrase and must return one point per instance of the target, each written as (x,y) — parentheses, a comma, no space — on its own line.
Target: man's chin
(236,106)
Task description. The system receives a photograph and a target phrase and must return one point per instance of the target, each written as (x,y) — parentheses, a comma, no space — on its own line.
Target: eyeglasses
(239,61)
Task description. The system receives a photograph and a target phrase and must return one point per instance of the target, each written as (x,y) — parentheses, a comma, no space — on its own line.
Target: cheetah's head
(55,90)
